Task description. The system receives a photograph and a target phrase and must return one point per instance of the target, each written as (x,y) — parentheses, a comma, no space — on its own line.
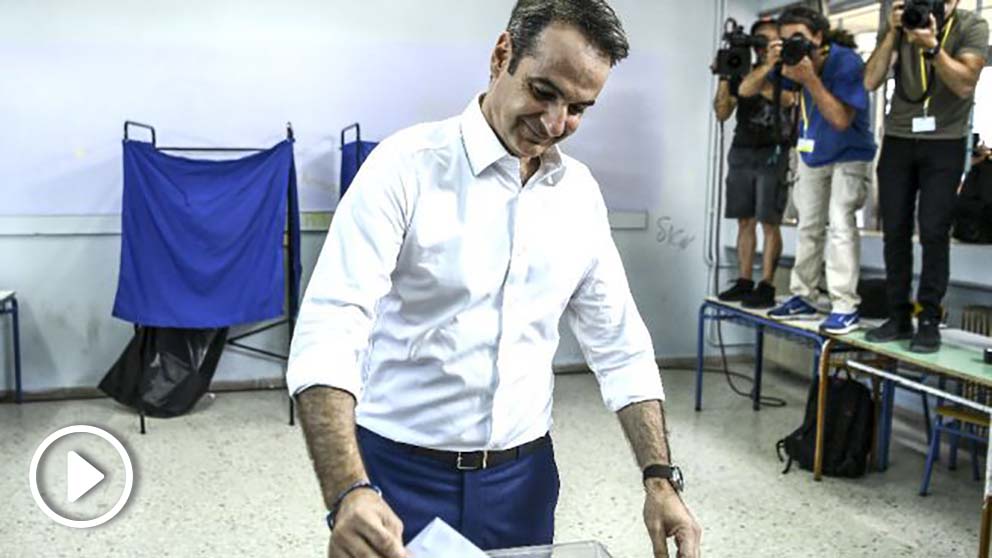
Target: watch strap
(670,473)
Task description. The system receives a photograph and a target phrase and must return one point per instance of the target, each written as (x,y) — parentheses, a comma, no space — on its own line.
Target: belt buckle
(461,466)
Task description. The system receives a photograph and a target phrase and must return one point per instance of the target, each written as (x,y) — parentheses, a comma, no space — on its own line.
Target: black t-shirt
(756,123)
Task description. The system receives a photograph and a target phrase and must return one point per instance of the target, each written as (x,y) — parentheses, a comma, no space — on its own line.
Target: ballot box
(570,550)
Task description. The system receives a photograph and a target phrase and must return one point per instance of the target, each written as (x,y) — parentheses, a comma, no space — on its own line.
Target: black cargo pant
(931,170)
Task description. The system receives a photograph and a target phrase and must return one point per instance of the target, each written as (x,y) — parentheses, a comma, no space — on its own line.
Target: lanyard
(923,65)
(802,106)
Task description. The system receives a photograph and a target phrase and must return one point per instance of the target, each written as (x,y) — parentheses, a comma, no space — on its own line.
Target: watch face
(678,479)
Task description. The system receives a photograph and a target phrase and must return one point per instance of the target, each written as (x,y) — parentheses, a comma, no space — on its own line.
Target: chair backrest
(977,319)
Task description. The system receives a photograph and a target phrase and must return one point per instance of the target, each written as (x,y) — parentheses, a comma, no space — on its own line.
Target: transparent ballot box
(571,550)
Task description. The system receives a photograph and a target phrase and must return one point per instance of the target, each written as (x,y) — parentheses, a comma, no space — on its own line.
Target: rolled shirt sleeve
(613,338)
(975,39)
(352,274)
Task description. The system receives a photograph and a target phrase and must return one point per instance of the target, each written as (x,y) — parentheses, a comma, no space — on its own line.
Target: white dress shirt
(438,292)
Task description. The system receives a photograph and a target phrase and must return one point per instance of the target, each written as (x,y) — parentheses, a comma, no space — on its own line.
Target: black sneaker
(894,329)
(927,338)
(741,288)
(763,296)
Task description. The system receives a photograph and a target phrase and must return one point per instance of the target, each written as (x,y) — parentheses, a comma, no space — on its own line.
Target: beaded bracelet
(344,494)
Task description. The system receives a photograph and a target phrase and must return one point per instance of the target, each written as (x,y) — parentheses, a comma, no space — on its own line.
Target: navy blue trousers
(510,505)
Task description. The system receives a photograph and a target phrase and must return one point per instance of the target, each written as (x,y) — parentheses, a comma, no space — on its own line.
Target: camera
(734,59)
(795,48)
(916,14)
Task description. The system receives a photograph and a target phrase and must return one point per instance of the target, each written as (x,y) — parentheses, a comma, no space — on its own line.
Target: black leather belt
(476,460)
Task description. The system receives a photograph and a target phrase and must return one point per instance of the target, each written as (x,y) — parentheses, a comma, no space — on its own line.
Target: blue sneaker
(839,324)
(793,309)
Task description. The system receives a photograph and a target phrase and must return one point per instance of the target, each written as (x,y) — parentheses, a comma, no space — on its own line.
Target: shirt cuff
(634,383)
(322,368)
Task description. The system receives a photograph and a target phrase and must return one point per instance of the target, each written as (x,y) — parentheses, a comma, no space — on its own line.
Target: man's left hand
(666,515)
(924,38)
(802,73)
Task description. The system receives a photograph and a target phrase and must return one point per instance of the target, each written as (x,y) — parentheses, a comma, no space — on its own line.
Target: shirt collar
(483,147)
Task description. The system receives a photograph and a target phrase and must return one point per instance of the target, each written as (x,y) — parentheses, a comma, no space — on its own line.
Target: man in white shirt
(435,305)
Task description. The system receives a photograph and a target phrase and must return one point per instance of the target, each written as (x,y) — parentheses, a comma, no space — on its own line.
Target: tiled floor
(233,479)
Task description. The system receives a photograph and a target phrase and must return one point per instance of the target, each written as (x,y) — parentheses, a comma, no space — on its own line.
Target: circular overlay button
(87,477)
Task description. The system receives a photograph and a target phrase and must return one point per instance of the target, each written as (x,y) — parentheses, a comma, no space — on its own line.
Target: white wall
(234,72)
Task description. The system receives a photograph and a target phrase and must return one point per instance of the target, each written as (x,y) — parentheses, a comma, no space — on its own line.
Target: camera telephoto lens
(916,14)
(915,18)
(794,49)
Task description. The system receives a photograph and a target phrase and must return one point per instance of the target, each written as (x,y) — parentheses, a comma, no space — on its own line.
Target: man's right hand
(365,527)
(774,53)
(895,16)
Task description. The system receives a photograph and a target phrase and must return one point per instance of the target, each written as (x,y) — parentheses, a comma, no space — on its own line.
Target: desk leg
(18,391)
(983,537)
(986,525)
(759,361)
(823,369)
(700,327)
(888,404)
(876,439)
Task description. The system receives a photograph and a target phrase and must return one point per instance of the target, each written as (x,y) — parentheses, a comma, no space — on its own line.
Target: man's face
(769,32)
(542,103)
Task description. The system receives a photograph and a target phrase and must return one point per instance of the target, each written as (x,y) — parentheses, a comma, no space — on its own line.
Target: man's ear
(502,53)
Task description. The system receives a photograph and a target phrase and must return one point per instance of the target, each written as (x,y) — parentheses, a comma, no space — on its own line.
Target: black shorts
(757,184)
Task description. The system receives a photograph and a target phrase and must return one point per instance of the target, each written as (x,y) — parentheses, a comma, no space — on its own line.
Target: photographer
(973,215)
(938,53)
(836,148)
(757,189)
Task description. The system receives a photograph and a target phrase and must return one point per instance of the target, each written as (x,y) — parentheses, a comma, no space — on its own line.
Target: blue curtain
(202,241)
(353,154)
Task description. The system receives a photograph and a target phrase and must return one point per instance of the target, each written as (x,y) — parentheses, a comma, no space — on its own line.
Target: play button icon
(81,497)
(82,477)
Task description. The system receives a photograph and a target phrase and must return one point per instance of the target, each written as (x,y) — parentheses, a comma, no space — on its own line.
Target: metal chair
(8,305)
(960,423)
(957,423)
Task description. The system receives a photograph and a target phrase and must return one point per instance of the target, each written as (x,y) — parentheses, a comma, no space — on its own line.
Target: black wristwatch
(671,473)
(930,53)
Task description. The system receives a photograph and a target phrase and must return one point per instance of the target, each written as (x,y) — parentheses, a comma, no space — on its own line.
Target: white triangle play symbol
(82,477)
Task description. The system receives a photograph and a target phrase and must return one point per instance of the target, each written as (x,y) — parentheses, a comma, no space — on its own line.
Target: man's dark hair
(763,22)
(817,23)
(595,19)
(812,19)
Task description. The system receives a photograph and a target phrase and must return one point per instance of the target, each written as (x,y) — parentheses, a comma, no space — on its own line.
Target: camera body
(916,14)
(734,59)
(795,48)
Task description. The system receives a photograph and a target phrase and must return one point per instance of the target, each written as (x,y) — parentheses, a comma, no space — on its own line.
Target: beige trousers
(826,199)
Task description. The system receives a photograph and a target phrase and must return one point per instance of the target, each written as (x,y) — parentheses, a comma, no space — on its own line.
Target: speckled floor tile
(233,479)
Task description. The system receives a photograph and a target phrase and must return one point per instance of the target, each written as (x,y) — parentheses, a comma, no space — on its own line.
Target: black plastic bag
(163,372)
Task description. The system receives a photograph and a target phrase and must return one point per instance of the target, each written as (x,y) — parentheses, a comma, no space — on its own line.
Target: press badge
(805,145)
(924,124)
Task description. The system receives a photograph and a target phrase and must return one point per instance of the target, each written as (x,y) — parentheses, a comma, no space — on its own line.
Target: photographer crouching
(757,187)
(836,149)
(938,53)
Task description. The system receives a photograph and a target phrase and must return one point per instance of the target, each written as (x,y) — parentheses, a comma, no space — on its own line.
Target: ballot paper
(440,540)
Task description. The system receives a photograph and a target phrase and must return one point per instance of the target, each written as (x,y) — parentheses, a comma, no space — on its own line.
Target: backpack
(849,424)
(973,213)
